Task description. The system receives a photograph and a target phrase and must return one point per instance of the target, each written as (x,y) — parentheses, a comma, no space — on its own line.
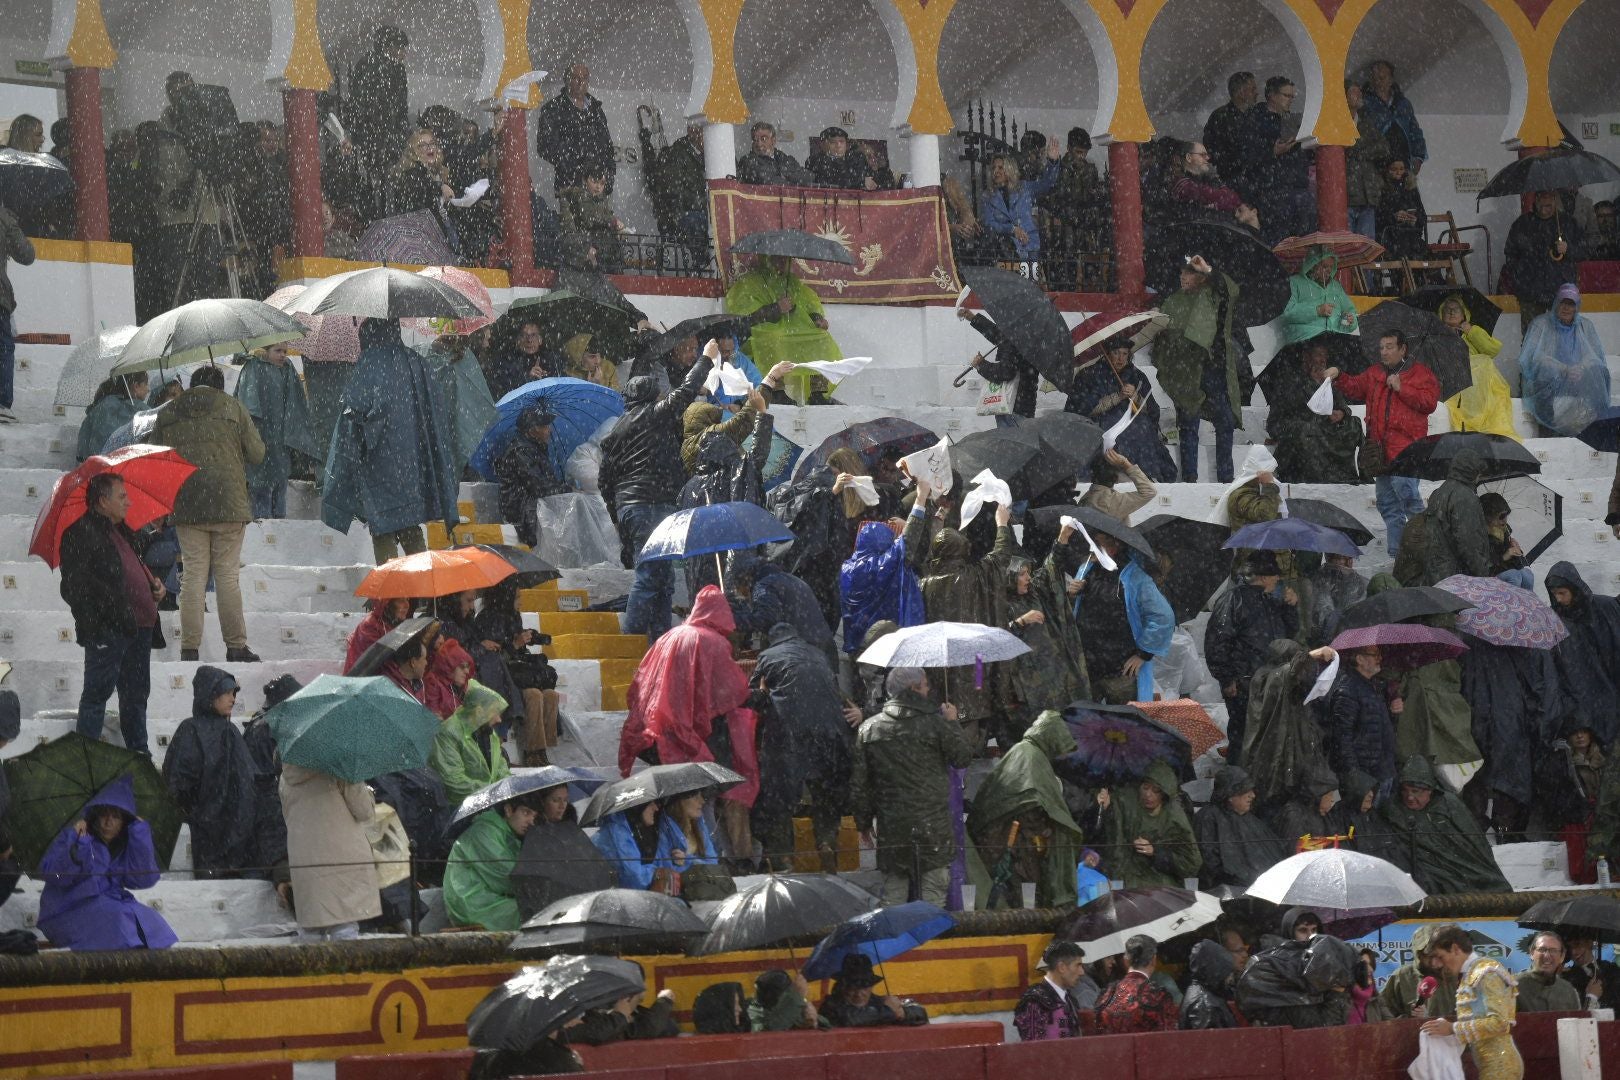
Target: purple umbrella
(887,436)
(1405,645)
(1504,614)
(414,239)
(1293,534)
(1117,743)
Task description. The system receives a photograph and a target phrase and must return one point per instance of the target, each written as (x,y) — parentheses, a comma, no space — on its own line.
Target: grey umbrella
(383,649)
(88,365)
(611,916)
(793,244)
(384,292)
(205,330)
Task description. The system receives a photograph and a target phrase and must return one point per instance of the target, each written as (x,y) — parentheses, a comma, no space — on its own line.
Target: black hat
(1059,951)
(280,689)
(834,133)
(856,972)
(534,416)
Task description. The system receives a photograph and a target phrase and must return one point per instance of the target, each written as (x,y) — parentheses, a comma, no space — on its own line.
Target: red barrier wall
(1211,1055)
(259,1070)
(951,1063)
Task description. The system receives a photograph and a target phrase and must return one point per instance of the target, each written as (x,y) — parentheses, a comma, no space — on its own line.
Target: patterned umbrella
(1116,744)
(332,338)
(1140,326)
(1404,645)
(887,436)
(1188,717)
(88,364)
(1505,614)
(465,282)
(414,239)
(1351,249)
(779,462)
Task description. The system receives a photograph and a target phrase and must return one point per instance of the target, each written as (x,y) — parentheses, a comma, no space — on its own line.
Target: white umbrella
(943,645)
(88,366)
(1199,911)
(205,330)
(383,292)
(1339,879)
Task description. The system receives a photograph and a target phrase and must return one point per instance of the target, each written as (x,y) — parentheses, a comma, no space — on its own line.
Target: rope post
(416,919)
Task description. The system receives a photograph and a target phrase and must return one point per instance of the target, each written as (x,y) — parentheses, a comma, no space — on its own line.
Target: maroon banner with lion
(899,239)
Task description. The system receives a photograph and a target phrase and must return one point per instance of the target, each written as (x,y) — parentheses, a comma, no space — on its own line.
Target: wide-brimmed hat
(856,972)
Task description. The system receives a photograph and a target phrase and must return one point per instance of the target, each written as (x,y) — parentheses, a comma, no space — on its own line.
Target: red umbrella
(1351,249)
(1404,645)
(1140,326)
(152,475)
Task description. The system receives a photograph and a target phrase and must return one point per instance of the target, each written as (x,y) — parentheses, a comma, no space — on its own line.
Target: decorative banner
(899,239)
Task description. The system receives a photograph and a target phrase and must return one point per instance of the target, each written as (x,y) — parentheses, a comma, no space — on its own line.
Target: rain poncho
(876,584)
(1294,984)
(902,782)
(1487,405)
(1283,742)
(463,764)
(1236,848)
(1442,846)
(1175,849)
(802,735)
(702,419)
(1588,661)
(622,844)
(1201,325)
(1361,731)
(274,396)
(1212,979)
(86,903)
(1302,816)
(210,773)
(478,887)
(791,337)
(1565,377)
(468,407)
(1053,672)
(1300,321)
(103,418)
(1455,540)
(1023,787)
(1517,705)
(1368,831)
(1311,448)
(958,588)
(776,596)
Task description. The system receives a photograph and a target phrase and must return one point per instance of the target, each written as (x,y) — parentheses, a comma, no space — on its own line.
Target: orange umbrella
(435,573)
(1351,249)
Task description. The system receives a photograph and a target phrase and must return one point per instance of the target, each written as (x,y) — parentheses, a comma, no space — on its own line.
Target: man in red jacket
(1400,394)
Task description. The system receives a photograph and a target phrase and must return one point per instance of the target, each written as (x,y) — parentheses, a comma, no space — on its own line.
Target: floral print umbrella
(1505,614)
(1117,743)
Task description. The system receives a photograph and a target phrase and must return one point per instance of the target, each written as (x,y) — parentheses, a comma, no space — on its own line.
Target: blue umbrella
(707,530)
(1604,432)
(580,785)
(878,935)
(1293,534)
(579,406)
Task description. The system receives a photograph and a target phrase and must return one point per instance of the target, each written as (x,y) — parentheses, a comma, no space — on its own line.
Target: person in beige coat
(1102,497)
(334,880)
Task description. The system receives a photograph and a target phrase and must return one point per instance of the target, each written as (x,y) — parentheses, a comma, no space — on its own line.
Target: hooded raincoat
(1212,975)
(1435,721)
(802,735)
(334,879)
(478,888)
(469,408)
(877,583)
(776,596)
(901,782)
(1565,373)
(274,396)
(1200,334)
(1442,846)
(702,419)
(1456,541)
(1588,661)
(1368,831)
(462,763)
(1024,788)
(210,773)
(101,419)
(1175,849)
(1518,706)
(959,588)
(1487,405)
(1053,672)
(1282,745)
(1236,848)
(1096,395)
(1301,817)
(1311,448)
(793,336)
(1300,320)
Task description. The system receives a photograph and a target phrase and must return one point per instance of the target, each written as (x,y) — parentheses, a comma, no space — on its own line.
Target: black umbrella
(538,1000)
(656,784)
(1428,341)
(531,569)
(1398,605)
(1482,310)
(1024,314)
(30,181)
(384,292)
(782,906)
(610,917)
(1073,436)
(793,244)
(1596,916)
(1334,516)
(1230,249)
(557,861)
(1430,457)
(1049,518)
(1016,455)
(1283,376)
(518,785)
(886,437)
(383,649)
(1555,170)
(563,313)
(699,326)
(1198,565)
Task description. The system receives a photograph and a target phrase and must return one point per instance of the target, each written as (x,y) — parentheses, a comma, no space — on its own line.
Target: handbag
(998,398)
(1372,459)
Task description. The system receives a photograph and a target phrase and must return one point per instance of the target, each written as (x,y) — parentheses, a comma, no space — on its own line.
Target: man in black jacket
(641,474)
(379,112)
(1543,252)
(765,164)
(525,474)
(573,134)
(114,598)
(1007,365)
(1244,622)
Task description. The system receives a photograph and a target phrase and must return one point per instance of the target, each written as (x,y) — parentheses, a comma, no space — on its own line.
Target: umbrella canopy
(414,239)
(1198,560)
(1263,289)
(329,339)
(1102,927)
(1350,249)
(1428,342)
(203,330)
(1482,310)
(1140,326)
(780,460)
(136,431)
(579,409)
(1334,516)
(563,313)
(557,861)
(1404,645)
(1504,614)
(1016,455)
(467,284)
(88,365)
(1398,605)
(1074,437)
(1293,534)
(779,907)
(1336,878)
(704,530)
(1116,744)
(1430,457)
(1024,314)
(152,475)
(1604,432)
(382,650)
(538,1000)
(657,784)
(1556,170)
(531,569)
(943,645)
(384,292)
(51,783)
(435,573)
(1280,379)
(355,729)
(877,935)
(518,785)
(794,244)
(1050,519)
(1535,510)
(1594,916)
(30,181)
(889,437)
(702,327)
(615,917)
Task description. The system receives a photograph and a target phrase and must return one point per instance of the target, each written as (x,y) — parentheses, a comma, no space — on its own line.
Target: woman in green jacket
(1317,303)
(478,889)
(1150,840)
(457,756)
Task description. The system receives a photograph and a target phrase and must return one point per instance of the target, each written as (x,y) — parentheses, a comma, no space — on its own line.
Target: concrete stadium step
(49,445)
(597,646)
(24,491)
(54,685)
(197,911)
(37,405)
(278,635)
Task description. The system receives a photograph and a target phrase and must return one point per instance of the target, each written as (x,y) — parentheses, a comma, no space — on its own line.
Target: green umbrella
(51,784)
(564,313)
(354,729)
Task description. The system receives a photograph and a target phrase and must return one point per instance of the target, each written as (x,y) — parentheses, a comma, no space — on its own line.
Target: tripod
(227,234)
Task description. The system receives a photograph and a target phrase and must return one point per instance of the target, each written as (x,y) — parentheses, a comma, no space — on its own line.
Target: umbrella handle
(962,378)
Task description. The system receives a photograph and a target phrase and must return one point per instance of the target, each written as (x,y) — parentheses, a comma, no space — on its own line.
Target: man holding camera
(183,200)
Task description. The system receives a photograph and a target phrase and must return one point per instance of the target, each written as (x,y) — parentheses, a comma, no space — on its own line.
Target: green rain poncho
(1186,347)
(792,337)
(1283,741)
(1442,845)
(467,401)
(1175,850)
(478,878)
(274,396)
(1022,786)
(461,763)
(1300,319)
(1053,672)
(1435,721)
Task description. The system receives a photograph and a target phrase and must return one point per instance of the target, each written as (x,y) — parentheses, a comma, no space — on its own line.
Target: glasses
(429,145)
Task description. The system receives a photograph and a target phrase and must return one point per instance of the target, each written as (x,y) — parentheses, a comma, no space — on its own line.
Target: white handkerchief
(474,192)
(1324,681)
(1097,553)
(961,297)
(335,126)
(1321,402)
(863,486)
(1439,1058)
(730,381)
(1111,436)
(836,370)
(986,489)
(518,89)
(932,465)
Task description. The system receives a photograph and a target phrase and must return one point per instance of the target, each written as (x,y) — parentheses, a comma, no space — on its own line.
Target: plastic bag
(584,465)
(1181,672)
(390,846)
(575,531)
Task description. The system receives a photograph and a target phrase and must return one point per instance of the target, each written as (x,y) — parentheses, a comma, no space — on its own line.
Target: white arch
(1102,54)
(697,35)
(282,25)
(905,60)
(1310,64)
(492,30)
(1513,60)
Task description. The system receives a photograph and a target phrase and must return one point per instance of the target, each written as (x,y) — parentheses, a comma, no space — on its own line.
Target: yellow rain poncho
(1487,405)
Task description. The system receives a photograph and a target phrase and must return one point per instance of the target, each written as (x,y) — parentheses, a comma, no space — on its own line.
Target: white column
(924,160)
(719,151)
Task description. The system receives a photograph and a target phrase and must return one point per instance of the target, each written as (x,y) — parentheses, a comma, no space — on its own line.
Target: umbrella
(87,366)
(531,569)
(1482,310)
(1188,717)
(467,284)
(891,437)
(793,244)
(383,649)
(30,181)
(414,239)
(1263,289)
(1350,249)
(1102,926)
(1065,433)
(943,645)
(204,330)
(1430,457)
(783,455)
(579,409)
(779,907)
(1050,519)
(1334,516)
(1604,432)
(1556,170)
(435,573)
(1336,878)
(518,785)
(384,292)
(1596,916)
(330,339)
(610,917)
(1116,744)
(1016,456)
(563,313)
(538,1000)
(355,729)
(1429,342)
(1024,314)
(1537,512)
(701,327)
(152,475)
(1504,614)
(1398,605)
(139,427)
(877,935)
(557,861)
(657,784)
(707,530)
(1292,534)
(51,783)
(1404,645)
(1280,379)
(1140,326)
(1198,561)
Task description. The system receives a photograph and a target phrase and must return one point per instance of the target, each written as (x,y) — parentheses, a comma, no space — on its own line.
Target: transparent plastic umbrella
(88,365)
(1336,878)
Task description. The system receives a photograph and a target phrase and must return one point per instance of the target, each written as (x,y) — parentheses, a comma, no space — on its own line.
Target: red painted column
(1332,190)
(304,172)
(88,155)
(1125,187)
(517,226)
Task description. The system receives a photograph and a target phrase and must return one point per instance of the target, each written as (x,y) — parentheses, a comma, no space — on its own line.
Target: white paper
(1324,681)
(1439,1058)
(835,370)
(1321,402)
(961,298)
(932,465)
(335,126)
(474,192)
(518,89)
(865,488)
(1097,553)
(985,489)
(1111,436)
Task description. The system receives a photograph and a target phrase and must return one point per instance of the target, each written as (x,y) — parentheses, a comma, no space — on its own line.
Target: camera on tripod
(205,119)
